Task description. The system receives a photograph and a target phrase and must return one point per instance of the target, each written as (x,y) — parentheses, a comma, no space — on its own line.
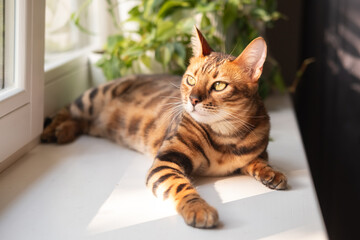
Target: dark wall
(328,110)
(284,38)
(327,100)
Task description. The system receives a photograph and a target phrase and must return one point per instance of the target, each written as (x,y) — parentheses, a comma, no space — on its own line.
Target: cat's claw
(277,180)
(200,215)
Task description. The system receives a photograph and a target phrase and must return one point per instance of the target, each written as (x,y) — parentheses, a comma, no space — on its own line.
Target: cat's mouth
(198,114)
(199,117)
(194,111)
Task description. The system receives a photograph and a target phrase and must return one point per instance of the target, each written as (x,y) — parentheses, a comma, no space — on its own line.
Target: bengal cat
(214,125)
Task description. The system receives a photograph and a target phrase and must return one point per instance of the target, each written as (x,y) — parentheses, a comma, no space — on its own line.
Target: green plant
(165,29)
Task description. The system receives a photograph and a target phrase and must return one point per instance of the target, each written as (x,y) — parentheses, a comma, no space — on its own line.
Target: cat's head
(215,85)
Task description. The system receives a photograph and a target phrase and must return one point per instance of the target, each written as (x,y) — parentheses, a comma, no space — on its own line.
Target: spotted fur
(187,129)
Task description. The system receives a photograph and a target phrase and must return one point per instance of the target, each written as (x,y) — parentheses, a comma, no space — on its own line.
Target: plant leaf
(168,52)
(166,30)
(261,14)
(169,6)
(146,60)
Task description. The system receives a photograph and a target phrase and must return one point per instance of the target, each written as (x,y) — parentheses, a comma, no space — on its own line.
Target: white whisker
(246,125)
(173,109)
(174,85)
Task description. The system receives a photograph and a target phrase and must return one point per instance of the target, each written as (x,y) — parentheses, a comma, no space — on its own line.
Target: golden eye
(219,86)
(190,80)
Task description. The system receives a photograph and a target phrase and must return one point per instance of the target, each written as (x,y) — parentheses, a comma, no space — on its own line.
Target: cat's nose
(194,100)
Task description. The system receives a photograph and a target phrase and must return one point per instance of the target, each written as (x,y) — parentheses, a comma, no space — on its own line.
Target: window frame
(44,91)
(13,97)
(21,107)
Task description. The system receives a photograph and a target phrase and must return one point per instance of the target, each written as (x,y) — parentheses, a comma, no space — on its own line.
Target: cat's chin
(201,117)
(213,122)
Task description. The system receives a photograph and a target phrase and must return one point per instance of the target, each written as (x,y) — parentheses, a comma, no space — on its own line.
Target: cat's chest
(212,154)
(221,159)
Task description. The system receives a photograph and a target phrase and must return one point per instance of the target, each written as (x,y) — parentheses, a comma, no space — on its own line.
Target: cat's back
(137,89)
(135,92)
(135,110)
(146,95)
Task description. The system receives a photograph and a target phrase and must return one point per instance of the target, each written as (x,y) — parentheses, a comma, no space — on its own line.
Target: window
(21,94)
(62,36)
(68,47)
(2,44)
(7,50)
(6,44)
(23,77)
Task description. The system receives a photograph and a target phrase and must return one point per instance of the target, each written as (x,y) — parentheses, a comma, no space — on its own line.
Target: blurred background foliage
(164,28)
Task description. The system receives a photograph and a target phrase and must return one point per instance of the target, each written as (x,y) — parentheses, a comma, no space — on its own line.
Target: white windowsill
(60,59)
(94,189)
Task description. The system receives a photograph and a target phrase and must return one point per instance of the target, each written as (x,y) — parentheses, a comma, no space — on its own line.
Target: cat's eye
(219,86)
(190,80)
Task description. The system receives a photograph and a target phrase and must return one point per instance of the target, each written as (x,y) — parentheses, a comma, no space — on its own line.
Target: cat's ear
(252,58)
(200,46)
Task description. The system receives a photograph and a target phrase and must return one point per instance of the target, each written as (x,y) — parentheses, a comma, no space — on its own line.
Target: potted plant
(161,41)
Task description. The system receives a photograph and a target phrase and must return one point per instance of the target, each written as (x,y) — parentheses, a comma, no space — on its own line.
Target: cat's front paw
(272,179)
(199,214)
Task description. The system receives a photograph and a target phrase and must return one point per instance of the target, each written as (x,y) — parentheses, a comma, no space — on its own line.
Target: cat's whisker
(246,125)
(233,117)
(225,122)
(232,51)
(170,97)
(169,111)
(248,116)
(242,110)
(236,117)
(175,114)
(245,110)
(174,107)
(174,85)
(249,127)
(171,104)
(237,114)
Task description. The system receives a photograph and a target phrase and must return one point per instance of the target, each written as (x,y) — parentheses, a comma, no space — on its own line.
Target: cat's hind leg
(62,128)
(78,117)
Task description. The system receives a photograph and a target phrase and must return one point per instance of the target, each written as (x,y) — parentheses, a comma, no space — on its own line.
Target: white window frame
(43,92)
(14,96)
(21,107)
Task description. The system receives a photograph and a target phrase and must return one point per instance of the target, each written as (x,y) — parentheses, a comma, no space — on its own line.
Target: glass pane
(7,31)
(2,44)
(61,35)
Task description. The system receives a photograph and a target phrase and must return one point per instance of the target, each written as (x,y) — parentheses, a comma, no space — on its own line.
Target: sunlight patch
(246,187)
(127,207)
(130,203)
